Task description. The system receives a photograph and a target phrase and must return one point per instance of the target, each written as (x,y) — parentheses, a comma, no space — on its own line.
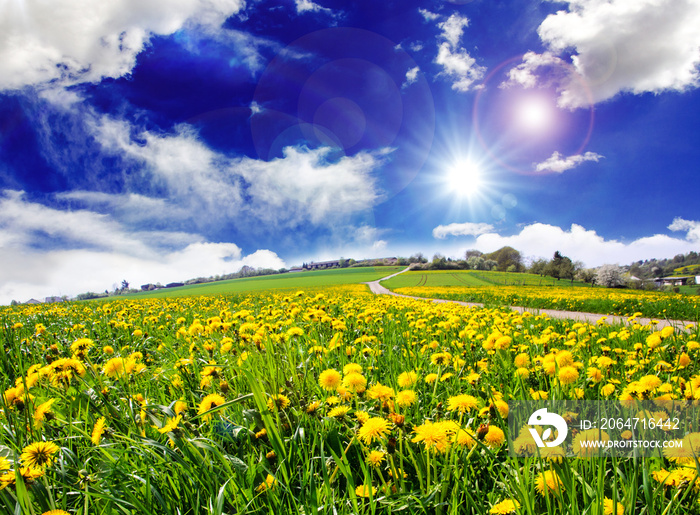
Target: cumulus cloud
(634,46)
(304,6)
(464,229)
(557,163)
(69,41)
(305,185)
(411,76)
(579,243)
(457,64)
(427,15)
(47,251)
(691,227)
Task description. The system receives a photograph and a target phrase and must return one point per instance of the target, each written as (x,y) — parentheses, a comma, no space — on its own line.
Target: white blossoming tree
(609,276)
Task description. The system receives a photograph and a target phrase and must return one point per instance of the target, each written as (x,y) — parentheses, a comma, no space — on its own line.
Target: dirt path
(591,318)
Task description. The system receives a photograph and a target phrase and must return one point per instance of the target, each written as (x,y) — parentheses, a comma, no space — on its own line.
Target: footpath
(591,318)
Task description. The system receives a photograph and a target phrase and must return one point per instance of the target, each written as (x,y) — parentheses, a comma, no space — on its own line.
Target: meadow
(328,400)
(293,280)
(532,291)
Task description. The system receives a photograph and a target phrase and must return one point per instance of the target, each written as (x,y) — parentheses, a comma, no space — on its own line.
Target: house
(33,301)
(679,280)
(53,299)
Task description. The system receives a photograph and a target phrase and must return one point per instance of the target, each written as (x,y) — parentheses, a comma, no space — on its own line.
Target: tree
(125,285)
(609,276)
(476,263)
(504,257)
(539,266)
(473,253)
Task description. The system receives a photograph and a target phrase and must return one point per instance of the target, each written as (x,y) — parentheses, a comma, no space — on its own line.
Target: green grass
(463,278)
(300,280)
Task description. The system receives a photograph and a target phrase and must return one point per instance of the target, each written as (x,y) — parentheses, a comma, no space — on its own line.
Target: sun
(465,178)
(534,114)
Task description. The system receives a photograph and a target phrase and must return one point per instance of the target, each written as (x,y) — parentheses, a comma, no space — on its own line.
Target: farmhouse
(673,280)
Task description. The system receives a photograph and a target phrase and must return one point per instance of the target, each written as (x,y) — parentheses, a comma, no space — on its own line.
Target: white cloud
(457,64)
(304,6)
(635,46)
(73,41)
(464,229)
(692,228)
(411,76)
(379,245)
(579,243)
(453,28)
(558,164)
(97,251)
(305,185)
(427,15)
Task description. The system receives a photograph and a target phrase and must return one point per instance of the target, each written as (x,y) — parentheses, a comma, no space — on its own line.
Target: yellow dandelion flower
(329,379)
(278,402)
(433,435)
(364,491)
(339,411)
(568,375)
(505,507)
(494,437)
(97,431)
(374,428)
(407,379)
(406,398)
(612,508)
(355,382)
(39,454)
(209,402)
(462,403)
(548,481)
(375,458)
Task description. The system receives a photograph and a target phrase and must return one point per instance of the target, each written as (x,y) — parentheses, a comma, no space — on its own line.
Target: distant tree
(476,263)
(504,257)
(342,263)
(490,264)
(538,266)
(125,285)
(609,276)
(473,253)
(586,275)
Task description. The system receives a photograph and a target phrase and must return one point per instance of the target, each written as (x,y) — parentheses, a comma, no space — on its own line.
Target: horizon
(156,143)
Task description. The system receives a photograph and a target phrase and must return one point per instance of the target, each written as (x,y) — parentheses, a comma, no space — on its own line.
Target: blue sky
(157,141)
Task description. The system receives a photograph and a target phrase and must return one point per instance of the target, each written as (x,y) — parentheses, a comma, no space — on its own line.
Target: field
(328,400)
(435,278)
(505,289)
(295,280)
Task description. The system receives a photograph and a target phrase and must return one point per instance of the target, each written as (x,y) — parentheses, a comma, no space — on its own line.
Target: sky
(161,140)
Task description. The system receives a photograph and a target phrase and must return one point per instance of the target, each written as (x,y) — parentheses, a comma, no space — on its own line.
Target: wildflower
(380,392)
(171,425)
(433,435)
(666,332)
(355,382)
(462,403)
(43,412)
(56,512)
(362,416)
(431,378)
(329,379)
(209,402)
(4,464)
(505,507)
(278,401)
(568,375)
(548,481)
(374,428)
(407,379)
(39,454)
(97,431)
(339,411)
(610,508)
(352,368)
(375,458)
(269,483)
(405,398)
(364,491)
(494,437)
